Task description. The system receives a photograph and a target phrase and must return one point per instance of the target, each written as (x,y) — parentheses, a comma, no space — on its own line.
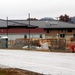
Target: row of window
(25,36)
(63,35)
(61,30)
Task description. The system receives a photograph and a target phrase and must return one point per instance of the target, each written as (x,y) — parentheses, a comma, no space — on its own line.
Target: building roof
(48,24)
(11,23)
(36,23)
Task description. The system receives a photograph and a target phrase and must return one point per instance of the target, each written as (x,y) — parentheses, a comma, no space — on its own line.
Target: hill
(46,18)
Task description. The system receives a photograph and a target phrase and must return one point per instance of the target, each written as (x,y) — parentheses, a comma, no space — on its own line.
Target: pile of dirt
(16,71)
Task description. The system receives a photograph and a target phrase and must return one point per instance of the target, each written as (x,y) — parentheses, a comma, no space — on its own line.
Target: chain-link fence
(58,44)
(21,42)
(53,43)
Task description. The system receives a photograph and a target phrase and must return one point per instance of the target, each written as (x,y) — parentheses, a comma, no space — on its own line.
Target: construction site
(40,44)
(37,34)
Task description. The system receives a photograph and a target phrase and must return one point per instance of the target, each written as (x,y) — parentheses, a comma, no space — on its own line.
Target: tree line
(64,18)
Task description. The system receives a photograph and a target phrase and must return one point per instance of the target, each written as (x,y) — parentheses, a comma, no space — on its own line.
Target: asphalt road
(42,62)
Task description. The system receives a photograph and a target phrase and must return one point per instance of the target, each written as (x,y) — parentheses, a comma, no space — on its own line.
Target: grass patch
(1,73)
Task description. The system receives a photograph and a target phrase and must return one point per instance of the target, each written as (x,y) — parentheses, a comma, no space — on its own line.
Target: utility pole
(29,30)
(7,34)
(7,26)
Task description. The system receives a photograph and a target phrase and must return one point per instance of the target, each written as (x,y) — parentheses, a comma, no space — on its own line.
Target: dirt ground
(16,71)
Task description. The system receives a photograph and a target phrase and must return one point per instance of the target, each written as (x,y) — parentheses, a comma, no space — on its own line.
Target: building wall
(46,34)
(3,35)
(56,33)
(16,36)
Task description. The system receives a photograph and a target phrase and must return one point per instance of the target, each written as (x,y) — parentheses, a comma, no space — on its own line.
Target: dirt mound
(16,71)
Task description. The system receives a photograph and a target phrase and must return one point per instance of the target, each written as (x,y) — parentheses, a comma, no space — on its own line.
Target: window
(69,30)
(74,35)
(47,31)
(40,36)
(62,30)
(62,35)
(25,36)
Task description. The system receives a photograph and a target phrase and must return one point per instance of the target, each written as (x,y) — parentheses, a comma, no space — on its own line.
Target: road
(42,62)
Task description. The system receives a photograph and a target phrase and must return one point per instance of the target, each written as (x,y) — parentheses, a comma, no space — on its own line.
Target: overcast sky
(19,9)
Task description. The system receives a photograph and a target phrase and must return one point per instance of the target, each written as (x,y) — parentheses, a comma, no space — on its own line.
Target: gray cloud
(19,9)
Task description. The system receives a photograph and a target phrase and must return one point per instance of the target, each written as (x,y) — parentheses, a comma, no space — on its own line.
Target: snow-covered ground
(42,62)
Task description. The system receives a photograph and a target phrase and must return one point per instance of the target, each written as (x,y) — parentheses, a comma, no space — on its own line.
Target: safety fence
(52,43)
